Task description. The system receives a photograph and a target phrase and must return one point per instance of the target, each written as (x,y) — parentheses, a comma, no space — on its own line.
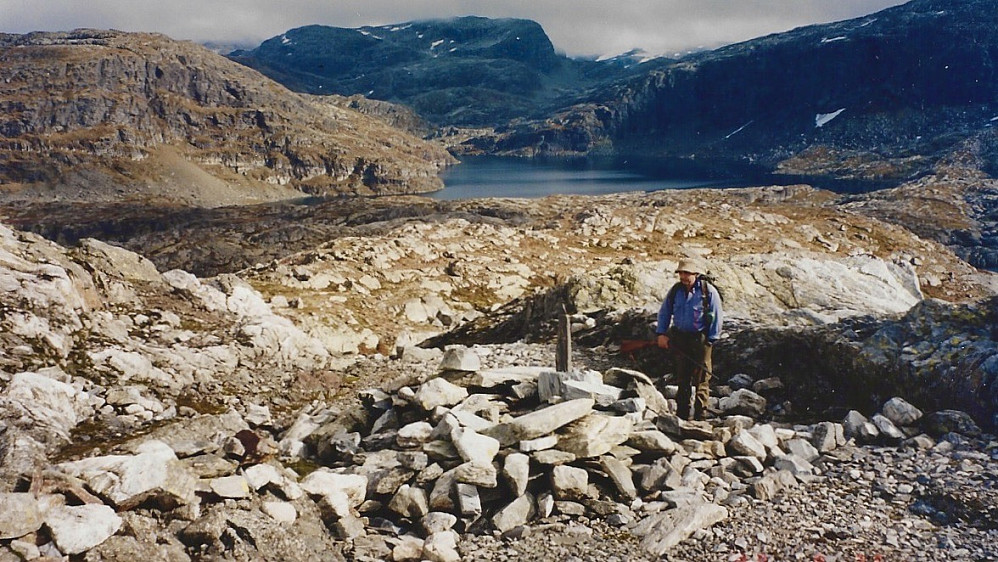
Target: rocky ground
(284,411)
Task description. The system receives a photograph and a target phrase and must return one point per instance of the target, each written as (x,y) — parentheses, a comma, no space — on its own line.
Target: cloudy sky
(576,27)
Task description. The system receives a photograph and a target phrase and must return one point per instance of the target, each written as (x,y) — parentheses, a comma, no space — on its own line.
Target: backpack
(706,281)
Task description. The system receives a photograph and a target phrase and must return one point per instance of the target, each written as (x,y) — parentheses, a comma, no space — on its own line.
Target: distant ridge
(470,71)
(908,85)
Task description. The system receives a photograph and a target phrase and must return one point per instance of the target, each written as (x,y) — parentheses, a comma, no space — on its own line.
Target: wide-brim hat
(691,265)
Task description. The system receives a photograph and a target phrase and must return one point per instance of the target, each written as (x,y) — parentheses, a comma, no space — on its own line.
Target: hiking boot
(698,413)
(683,414)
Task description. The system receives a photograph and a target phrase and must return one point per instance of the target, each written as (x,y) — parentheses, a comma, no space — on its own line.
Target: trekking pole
(630,346)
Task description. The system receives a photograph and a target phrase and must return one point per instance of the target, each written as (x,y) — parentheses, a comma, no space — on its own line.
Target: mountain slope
(907,83)
(463,71)
(105,115)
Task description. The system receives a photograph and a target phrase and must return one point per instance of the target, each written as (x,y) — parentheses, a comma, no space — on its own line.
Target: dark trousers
(691,354)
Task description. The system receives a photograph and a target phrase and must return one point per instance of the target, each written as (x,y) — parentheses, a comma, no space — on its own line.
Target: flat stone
(553,457)
(438,521)
(539,444)
(569,482)
(652,441)
(551,385)
(594,435)
(468,500)
(282,512)
(662,531)
(491,378)
(620,475)
(744,443)
(473,446)
(231,487)
(482,475)
(516,513)
(540,422)
(413,434)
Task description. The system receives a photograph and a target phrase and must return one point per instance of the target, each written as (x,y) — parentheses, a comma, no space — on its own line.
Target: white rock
(474,447)
(481,475)
(344,491)
(569,482)
(441,547)
(541,422)
(154,474)
(439,392)
(410,501)
(516,513)
(744,443)
(594,435)
(23,513)
(260,475)
(76,529)
(414,434)
(232,487)
(516,469)
(282,512)
(460,359)
(662,531)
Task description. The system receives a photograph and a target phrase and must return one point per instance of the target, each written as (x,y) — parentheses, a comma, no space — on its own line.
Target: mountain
(470,71)
(883,96)
(105,115)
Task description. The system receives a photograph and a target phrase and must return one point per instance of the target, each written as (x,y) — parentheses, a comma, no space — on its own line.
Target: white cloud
(577,27)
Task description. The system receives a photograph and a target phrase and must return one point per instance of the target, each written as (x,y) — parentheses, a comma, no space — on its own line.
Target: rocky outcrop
(105,111)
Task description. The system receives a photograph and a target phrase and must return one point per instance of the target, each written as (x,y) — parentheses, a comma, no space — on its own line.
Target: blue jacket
(687,314)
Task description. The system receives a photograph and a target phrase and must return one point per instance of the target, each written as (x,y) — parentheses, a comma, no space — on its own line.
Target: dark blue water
(490,176)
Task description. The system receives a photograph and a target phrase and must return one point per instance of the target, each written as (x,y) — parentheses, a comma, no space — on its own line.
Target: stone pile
(496,450)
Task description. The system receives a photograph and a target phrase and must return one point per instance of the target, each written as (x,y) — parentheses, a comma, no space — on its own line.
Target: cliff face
(88,109)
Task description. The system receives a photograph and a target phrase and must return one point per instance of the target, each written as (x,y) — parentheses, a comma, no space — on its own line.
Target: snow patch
(867,22)
(399,27)
(369,34)
(738,130)
(995,118)
(285,40)
(436,44)
(833,39)
(822,119)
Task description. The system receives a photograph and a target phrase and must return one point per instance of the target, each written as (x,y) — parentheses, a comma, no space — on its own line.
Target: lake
(490,176)
(485,176)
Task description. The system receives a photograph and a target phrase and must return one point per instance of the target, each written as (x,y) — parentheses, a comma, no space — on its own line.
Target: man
(689,322)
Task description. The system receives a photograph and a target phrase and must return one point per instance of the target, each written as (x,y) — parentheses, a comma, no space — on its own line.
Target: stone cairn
(468,450)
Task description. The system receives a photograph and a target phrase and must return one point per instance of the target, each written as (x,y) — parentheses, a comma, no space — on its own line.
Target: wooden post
(563,355)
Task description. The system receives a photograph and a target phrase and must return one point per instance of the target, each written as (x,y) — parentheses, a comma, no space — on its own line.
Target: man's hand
(663,341)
